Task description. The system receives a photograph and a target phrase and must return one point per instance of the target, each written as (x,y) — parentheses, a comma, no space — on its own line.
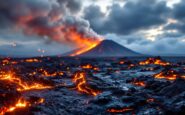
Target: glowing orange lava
(21,103)
(45,73)
(139,83)
(85,43)
(85,49)
(183,77)
(121,62)
(88,66)
(22,86)
(113,110)
(169,75)
(81,84)
(150,100)
(154,61)
(32,60)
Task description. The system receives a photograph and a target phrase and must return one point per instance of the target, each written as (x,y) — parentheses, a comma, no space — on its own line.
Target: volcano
(106,48)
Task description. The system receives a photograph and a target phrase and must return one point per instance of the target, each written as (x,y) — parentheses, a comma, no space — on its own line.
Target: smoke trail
(55,19)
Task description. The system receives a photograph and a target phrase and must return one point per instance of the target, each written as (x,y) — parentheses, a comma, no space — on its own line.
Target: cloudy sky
(42,27)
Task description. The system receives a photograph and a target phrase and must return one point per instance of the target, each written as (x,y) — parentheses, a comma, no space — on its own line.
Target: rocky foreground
(67,86)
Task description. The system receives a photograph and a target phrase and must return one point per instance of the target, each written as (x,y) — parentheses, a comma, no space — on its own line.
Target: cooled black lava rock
(174,89)
(8,94)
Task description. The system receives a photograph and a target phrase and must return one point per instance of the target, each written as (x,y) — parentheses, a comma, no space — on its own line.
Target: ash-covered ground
(82,86)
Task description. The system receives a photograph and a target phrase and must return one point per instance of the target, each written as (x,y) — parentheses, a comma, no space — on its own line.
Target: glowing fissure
(45,73)
(139,83)
(81,84)
(113,110)
(21,103)
(168,75)
(22,86)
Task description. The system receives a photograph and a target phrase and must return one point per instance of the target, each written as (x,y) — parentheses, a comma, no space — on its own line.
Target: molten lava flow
(183,77)
(96,69)
(169,75)
(121,62)
(35,86)
(113,110)
(155,61)
(82,50)
(139,83)
(88,66)
(85,43)
(81,84)
(5,62)
(32,60)
(8,62)
(21,103)
(45,73)
(150,100)
(22,86)
(41,100)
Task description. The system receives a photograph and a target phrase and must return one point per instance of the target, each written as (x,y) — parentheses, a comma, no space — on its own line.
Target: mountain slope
(108,48)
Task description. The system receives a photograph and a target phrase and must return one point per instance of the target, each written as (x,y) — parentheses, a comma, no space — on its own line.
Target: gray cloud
(129,18)
(179,15)
(167,46)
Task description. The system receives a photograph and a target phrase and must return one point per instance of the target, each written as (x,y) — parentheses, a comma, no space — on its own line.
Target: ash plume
(54,19)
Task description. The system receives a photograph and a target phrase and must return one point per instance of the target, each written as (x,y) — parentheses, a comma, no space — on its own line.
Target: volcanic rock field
(92,86)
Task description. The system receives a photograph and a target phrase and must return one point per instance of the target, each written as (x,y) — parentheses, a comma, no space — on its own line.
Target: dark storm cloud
(12,10)
(129,18)
(171,34)
(39,12)
(179,15)
(178,10)
(167,46)
(73,5)
(94,15)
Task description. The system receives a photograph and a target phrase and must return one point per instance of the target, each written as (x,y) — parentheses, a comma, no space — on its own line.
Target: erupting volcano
(105,48)
(88,46)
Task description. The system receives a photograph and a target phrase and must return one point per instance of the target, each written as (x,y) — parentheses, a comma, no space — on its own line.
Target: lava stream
(139,83)
(88,43)
(21,103)
(81,84)
(22,86)
(168,75)
(113,110)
